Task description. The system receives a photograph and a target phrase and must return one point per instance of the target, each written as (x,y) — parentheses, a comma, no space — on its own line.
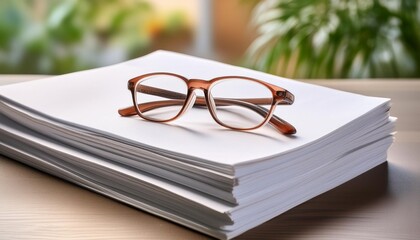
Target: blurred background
(290,38)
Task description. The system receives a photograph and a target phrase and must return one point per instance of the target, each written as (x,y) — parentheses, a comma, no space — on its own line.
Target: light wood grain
(383,203)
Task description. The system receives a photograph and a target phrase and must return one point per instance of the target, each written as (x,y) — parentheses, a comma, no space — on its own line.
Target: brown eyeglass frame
(280,97)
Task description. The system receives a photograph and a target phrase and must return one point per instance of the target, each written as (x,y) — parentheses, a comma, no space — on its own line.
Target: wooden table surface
(383,203)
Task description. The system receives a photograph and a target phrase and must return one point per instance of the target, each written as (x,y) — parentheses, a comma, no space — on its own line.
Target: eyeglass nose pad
(191,102)
(212,103)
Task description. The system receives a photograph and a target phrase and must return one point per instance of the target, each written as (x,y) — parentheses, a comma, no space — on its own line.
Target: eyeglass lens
(161,96)
(236,102)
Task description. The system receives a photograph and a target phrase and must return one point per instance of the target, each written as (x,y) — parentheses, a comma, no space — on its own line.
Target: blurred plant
(337,38)
(59,36)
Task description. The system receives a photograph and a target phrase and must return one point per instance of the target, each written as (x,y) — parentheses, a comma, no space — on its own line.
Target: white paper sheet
(92,98)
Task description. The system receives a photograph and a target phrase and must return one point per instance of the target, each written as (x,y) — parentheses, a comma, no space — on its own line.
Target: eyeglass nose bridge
(193,99)
(198,84)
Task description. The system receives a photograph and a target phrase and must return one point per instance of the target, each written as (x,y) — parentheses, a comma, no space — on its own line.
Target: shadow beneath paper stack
(314,218)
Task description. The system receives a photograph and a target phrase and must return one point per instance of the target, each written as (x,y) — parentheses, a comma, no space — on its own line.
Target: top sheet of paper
(92,98)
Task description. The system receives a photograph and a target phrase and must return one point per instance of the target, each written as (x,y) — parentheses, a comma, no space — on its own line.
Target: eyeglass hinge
(281,94)
(286,95)
(130,85)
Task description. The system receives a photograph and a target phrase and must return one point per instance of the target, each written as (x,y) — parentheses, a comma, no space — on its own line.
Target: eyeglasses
(235,102)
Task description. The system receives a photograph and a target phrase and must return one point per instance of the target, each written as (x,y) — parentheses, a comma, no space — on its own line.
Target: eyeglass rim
(279,94)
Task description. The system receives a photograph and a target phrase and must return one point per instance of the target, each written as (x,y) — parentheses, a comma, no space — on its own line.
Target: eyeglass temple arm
(288,98)
(280,124)
(277,122)
(178,99)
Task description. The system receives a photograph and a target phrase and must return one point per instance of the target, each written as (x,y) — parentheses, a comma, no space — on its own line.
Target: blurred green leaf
(60,36)
(337,38)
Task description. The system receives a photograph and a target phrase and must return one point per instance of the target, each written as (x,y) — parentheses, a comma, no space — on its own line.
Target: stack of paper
(192,171)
